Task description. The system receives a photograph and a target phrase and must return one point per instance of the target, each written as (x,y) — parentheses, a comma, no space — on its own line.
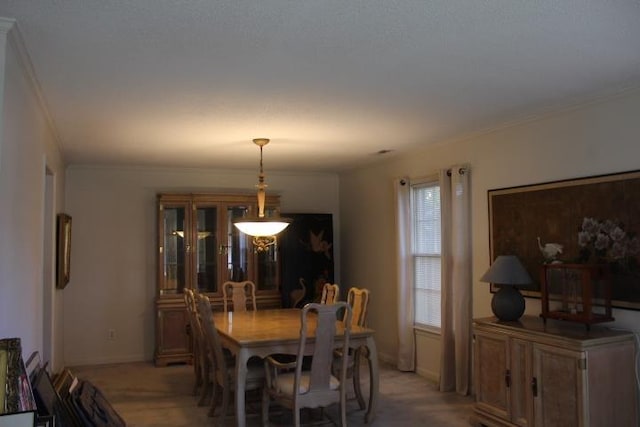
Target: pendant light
(262,228)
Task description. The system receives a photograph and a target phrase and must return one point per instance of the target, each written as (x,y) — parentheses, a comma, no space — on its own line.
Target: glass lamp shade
(262,226)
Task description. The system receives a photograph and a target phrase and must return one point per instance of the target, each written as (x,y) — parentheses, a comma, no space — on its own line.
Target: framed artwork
(63,251)
(307,257)
(584,220)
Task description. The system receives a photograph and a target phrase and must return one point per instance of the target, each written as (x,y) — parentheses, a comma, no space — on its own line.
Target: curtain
(406,340)
(455,360)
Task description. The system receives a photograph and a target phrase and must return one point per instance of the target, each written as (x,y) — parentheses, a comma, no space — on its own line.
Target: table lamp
(507,272)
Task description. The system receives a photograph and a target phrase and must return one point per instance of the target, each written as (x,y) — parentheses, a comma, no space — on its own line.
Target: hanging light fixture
(262,228)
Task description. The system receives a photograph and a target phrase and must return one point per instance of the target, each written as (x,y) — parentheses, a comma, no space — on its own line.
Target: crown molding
(6,24)
(11,29)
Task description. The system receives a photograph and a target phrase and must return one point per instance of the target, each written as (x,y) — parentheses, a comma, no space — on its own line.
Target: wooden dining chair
(200,358)
(330,293)
(223,363)
(239,294)
(290,386)
(358,300)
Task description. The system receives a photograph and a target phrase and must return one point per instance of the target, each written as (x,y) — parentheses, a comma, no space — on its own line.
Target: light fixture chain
(261,188)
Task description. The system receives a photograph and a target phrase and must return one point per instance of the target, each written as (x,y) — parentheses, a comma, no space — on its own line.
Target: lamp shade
(507,270)
(262,226)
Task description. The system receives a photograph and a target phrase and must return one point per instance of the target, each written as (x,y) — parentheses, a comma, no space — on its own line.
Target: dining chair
(200,359)
(290,386)
(358,300)
(330,293)
(239,294)
(223,363)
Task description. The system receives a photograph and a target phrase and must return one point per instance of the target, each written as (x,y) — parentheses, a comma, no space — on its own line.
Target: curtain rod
(461,171)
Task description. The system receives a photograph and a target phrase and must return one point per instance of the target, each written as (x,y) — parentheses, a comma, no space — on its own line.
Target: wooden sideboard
(559,374)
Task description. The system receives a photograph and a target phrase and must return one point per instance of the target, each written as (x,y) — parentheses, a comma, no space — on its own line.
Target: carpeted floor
(156,397)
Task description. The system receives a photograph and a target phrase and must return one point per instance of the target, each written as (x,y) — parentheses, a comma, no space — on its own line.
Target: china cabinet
(199,248)
(553,373)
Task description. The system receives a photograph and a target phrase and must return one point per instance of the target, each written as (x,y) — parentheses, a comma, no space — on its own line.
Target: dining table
(277,331)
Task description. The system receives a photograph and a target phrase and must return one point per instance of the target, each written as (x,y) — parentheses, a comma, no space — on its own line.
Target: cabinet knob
(534,386)
(507,378)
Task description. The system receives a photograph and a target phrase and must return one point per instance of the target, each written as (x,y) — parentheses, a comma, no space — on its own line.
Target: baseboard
(106,360)
(388,359)
(428,375)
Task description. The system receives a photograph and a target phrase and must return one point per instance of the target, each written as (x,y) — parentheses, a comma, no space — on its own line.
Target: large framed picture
(307,257)
(584,220)
(64,250)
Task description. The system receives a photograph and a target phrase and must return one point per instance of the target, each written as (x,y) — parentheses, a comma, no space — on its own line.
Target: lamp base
(508,303)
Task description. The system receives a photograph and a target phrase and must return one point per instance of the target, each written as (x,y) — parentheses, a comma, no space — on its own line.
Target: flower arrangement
(608,241)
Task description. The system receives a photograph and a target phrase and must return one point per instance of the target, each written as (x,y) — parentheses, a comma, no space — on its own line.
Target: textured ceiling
(189,83)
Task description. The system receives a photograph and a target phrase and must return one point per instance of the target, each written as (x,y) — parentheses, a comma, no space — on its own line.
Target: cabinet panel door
(491,370)
(560,378)
(521,370)
(172,336)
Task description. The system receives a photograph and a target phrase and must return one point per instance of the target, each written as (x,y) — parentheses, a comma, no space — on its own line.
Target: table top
(265,326)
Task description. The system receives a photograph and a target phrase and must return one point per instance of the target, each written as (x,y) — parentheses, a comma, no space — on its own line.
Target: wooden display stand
(576,292)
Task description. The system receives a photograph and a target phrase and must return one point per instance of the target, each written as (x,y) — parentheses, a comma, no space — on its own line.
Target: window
(426,249)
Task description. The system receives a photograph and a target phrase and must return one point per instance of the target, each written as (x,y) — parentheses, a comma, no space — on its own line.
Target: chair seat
(284,383)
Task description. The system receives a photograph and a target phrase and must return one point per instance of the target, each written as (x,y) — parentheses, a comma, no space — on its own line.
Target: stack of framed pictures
(17,403)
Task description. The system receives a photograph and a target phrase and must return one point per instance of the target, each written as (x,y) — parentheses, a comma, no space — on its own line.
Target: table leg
(241,381)
(372,356)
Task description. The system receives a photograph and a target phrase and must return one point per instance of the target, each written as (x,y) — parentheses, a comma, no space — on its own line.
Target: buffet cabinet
(198,247)
(527,373)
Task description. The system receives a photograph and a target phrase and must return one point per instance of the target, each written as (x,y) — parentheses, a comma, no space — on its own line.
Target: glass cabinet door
(206,251)
(200,248)
(236,249)
(173,249)
(267,268)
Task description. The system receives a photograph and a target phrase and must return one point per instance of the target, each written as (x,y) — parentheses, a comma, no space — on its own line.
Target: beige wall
(594,139)
(30,307)
(113,265)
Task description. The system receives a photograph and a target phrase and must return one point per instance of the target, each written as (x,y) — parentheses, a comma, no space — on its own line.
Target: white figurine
(550,251)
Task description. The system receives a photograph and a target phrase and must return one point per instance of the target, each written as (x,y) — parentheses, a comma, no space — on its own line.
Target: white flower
(606,240)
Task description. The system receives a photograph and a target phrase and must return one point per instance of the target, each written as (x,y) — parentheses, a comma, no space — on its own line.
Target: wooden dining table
(265,332)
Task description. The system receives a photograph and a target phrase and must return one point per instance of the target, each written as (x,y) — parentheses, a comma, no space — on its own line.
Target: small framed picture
(64,250)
